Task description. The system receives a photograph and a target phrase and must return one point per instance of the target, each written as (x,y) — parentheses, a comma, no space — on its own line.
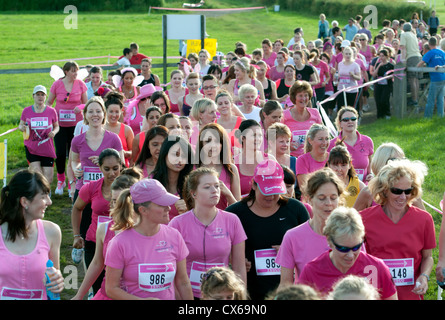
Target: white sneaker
(365,108)
(60,186)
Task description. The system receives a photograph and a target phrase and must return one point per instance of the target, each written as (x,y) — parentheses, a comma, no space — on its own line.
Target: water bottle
(26,132)
(50,270)
(335,81)
(442,284)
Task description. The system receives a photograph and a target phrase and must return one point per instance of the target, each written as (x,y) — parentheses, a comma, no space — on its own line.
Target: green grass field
(42,37)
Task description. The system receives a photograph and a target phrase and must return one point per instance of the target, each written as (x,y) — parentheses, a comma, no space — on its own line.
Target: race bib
(21,294)
(360,173)
(197,272)
(299,136)
(344,80)
(402,271)
(383,82)
(156,277)
(39,123)
(67,115)
(91,174)
(265,262)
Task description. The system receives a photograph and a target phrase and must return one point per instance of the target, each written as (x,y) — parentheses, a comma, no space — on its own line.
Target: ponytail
(123,212)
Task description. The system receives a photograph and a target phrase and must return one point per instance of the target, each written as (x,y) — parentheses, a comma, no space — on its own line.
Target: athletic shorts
(44,161)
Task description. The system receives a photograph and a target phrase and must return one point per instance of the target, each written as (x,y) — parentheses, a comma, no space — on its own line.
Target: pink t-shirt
(322,274)
(148,268)
(300,129)
(91,171)
(404,241)
(345,80)
(210,245)
(360,153)
(91,192)
(306,164)
(40,125)
(362,66)
(21,276)
(300,245)
(65,103)
(271,60)
(322,70)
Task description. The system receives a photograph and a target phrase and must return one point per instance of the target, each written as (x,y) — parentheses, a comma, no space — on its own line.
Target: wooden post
(399,91)
(203,30)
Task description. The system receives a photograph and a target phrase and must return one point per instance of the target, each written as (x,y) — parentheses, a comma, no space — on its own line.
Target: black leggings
(62,142)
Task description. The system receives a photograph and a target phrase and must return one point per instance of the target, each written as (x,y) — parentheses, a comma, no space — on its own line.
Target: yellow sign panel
(2,160)
(195,46)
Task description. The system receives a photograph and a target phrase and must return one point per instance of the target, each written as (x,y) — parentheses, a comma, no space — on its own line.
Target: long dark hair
(25,183)
(150,135)
(160,171)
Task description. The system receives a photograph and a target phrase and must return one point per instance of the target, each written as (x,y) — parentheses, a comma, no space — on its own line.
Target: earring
(26,208)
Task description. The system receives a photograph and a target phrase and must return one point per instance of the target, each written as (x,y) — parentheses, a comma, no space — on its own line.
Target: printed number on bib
(91,174)
(67,115)
(402,270)
(197,272)
(265,262)
(156,277)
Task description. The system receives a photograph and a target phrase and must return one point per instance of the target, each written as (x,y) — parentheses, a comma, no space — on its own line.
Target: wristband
(424,274)
(77,236)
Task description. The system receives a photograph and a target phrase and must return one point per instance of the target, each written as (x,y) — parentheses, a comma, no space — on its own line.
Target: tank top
(268,90)
(368,56)
(185,107)
(136,120)
(282,89)
(21,276)
(124,142)
(151,80)
(127,101)
(109,234)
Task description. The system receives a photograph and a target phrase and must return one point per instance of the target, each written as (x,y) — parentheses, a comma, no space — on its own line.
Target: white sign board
(181,26)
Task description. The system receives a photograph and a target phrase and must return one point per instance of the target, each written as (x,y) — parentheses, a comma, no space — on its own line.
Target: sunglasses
(67,97)
(362,39)
(398,191)
(344,249)
(347,119)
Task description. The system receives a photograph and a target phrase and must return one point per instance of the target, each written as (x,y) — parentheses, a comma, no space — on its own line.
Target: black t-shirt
(263,233)
(304,74)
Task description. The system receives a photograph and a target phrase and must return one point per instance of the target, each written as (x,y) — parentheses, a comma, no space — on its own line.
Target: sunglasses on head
(398,191)
(347,119)
(344,249)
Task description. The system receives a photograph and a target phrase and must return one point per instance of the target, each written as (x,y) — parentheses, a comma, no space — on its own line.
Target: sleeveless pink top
(21,276)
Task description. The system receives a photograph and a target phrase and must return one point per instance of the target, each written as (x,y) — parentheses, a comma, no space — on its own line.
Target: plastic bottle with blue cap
(49,271)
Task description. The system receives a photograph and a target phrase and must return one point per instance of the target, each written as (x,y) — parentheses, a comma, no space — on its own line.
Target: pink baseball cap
(269,177)
(151,190)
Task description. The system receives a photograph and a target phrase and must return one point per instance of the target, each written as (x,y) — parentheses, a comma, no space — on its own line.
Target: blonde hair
(355,285)
(392,172)
(386,151)
(200,106)
(217,279)
(344,221)
(295,292)
(100,101)
(313,130)
(340,114)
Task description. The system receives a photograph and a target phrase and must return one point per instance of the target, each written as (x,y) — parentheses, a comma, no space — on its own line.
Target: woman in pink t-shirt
(104,234)
(42,124)
(213,236)
(360,147)
(27,240)
(269,55)
(306,242)
(316,152)
(345,234)
(68,92)
(277,71)
(301,116)
(156,267)
(98,194)
(214,151)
